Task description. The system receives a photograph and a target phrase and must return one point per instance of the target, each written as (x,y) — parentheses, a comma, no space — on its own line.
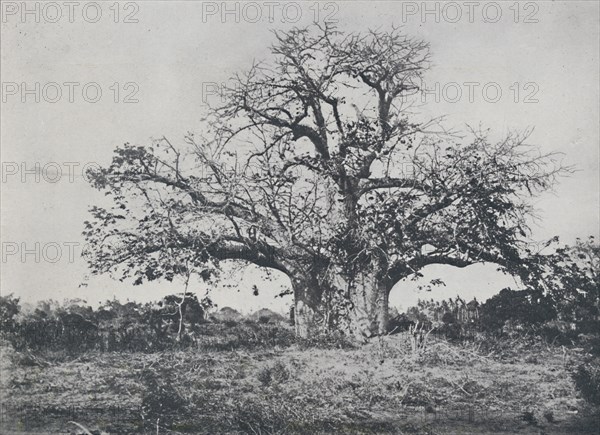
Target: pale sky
(177,50)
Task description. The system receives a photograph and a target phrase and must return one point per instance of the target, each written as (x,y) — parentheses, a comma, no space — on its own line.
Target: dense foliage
(114,326)
(587,380)
(561,293)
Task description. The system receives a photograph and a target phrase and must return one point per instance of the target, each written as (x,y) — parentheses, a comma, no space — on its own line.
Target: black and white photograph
(300,217)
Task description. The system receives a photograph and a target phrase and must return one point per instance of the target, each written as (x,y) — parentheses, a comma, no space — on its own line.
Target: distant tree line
(509,312)
(114,326)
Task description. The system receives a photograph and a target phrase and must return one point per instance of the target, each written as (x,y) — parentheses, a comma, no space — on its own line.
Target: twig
(87,432)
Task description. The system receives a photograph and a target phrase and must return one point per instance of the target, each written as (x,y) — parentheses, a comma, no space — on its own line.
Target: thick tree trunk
(307,299)
(370,298)
(367,289)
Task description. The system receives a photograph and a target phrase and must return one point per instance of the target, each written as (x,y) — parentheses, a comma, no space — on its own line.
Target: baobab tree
(311,165)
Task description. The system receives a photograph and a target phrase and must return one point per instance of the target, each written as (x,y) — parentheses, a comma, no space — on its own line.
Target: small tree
(9,309)
(525,307)
(181,310)
(570,276)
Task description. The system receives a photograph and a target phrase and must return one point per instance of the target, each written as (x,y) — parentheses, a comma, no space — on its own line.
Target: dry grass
(378,388)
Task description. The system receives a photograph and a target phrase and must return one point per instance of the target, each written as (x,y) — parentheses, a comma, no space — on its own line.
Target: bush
(327,340)
(399,323)
(590,343)
(9,309)
(69,332)
(160,402)
(587,380)
(524,308)
(559,333)
(244,335)
(275,375)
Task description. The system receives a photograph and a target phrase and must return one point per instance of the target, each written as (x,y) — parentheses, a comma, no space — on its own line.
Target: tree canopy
(314,165)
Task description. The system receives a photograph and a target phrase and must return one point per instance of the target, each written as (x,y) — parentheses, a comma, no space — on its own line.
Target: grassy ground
(377,388)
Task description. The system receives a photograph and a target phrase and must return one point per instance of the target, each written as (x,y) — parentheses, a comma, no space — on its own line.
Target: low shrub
(251,335)
(162,405)
(587,380)
(529,418)
(265,417)
(274,375)
(327,340)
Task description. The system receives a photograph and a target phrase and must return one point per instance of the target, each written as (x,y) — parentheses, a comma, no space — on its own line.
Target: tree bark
(307,299)
(369,316)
